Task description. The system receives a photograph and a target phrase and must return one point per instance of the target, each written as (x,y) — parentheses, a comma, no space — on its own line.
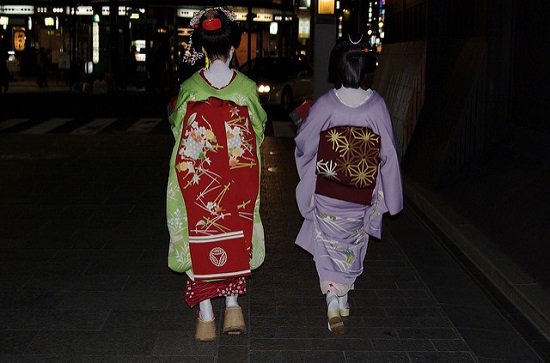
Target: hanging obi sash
(218,173)
(347,163)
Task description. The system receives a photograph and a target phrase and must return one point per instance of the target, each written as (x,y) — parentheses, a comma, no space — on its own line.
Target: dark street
(84,273)
(89,191)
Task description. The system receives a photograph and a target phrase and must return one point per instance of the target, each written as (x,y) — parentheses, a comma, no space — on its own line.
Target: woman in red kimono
(213,200)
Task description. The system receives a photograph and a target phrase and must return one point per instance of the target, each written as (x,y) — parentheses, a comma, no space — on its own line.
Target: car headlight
(264,88)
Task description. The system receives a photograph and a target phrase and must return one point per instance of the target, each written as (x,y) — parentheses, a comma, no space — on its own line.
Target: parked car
(281,80)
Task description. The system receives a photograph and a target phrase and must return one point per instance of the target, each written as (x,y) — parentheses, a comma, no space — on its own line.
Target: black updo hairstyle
(216,43)
(350,60)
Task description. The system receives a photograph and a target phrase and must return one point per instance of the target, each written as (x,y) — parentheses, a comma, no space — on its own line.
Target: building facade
(121,39)
(128,42)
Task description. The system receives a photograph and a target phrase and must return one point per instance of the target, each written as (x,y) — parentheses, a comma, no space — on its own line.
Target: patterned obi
(218,173)
(347,163)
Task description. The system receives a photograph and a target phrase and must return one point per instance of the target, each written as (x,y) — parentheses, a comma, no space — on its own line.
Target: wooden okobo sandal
(234,321)
(205,330)
(344,310)
(335,322)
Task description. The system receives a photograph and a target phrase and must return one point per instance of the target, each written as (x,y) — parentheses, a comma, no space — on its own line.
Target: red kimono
(218,172)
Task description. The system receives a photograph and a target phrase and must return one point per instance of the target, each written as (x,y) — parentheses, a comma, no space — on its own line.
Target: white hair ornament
(355,43)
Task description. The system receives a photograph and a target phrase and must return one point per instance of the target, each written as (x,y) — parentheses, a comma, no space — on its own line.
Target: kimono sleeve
(307,144)
(388,195)
(178,109)
(258,116)
(390,172)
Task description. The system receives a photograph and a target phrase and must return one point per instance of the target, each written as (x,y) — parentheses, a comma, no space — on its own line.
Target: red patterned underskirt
(197,291)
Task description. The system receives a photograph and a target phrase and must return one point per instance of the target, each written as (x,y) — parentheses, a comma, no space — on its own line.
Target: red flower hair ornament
(212,24)
(198,15)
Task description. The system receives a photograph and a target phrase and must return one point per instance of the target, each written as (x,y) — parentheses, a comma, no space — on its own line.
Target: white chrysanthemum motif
(327,169)
(196,141)
(233,137)
(192,149)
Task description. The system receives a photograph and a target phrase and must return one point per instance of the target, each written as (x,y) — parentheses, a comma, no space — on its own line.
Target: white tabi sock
(343,302)
(205,310)
(332,301)
(231,301)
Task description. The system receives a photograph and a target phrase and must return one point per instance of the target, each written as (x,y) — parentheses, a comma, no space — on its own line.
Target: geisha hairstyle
(216,31)
(350,60)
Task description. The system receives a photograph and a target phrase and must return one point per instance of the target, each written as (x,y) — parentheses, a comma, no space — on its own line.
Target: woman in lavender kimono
(349,176)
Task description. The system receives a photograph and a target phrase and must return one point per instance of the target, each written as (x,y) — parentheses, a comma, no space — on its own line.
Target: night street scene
(89,92)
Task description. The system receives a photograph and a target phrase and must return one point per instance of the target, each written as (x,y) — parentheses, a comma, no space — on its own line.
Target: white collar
(353,97)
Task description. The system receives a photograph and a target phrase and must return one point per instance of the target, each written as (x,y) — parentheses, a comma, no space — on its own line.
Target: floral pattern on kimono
(242,91)
(218,174)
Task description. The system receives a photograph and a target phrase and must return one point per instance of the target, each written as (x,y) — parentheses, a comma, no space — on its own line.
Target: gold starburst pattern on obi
(347,163)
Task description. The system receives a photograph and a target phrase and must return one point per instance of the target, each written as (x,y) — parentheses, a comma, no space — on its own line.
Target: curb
(526,294)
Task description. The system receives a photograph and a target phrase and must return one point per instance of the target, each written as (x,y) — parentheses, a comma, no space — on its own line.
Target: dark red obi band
(347,163)
(212,24)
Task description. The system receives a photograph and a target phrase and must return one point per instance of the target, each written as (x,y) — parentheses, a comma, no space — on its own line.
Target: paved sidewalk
(83,274)
(494,213)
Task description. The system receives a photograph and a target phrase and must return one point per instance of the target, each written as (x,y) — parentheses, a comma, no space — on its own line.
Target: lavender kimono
(336,232)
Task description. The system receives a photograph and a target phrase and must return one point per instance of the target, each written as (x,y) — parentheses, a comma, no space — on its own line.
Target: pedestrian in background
(349,175)
(43,61)
(213,194)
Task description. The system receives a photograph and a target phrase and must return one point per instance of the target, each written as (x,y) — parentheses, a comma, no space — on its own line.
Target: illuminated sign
(326,7)
(304,25)
(273,28)
(263,17)
(17,9)
(95,43)
(19,39)
(186,13)
(105,11)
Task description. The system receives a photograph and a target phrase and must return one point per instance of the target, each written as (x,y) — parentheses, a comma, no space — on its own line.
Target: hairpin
(355,43)
(191,55)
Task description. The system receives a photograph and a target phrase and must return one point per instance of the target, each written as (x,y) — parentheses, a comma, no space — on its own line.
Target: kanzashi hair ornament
(194,23)
(355,43)
(230,14)
(191,55)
